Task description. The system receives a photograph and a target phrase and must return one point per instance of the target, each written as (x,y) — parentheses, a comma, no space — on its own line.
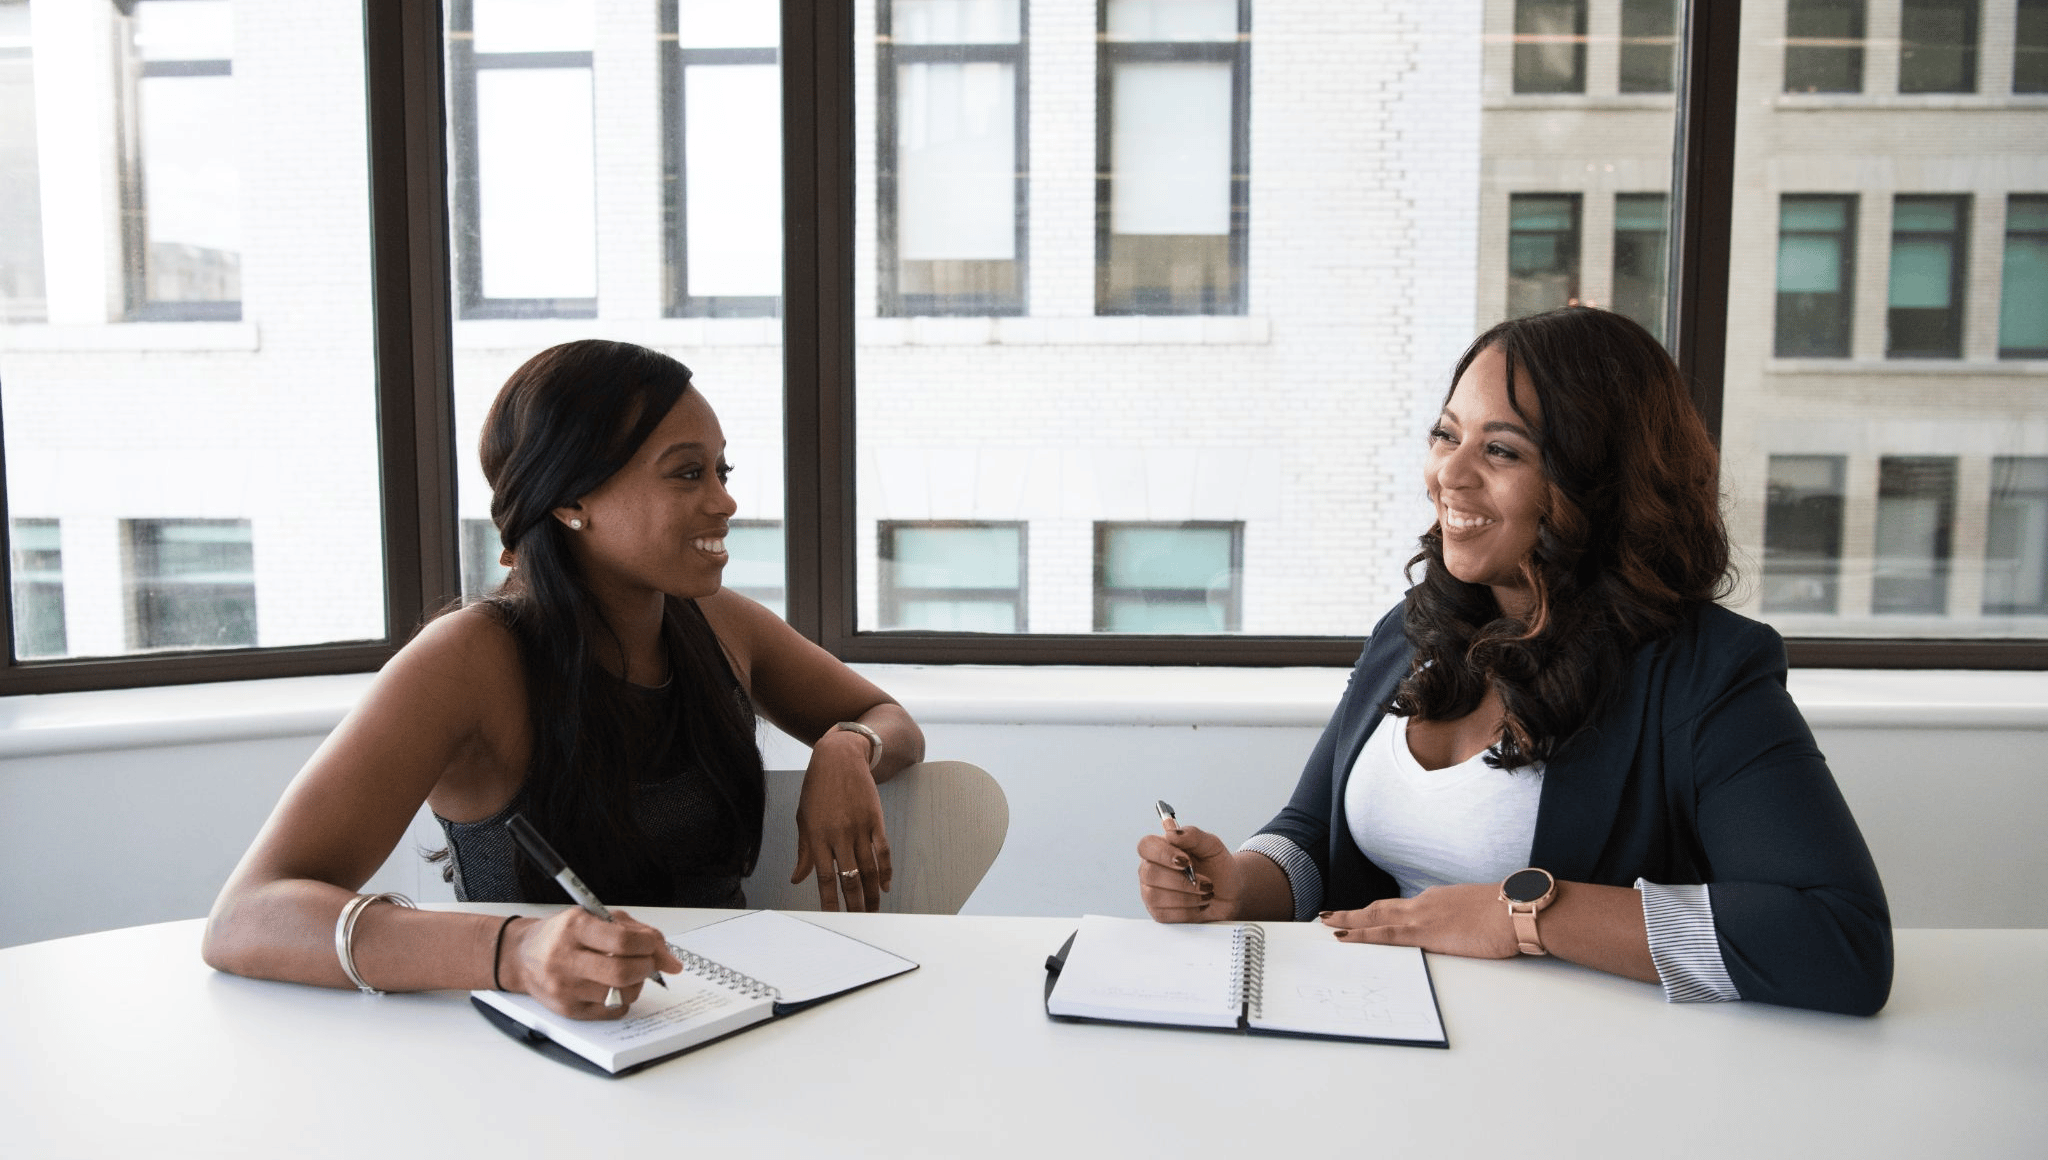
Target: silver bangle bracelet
(345,934)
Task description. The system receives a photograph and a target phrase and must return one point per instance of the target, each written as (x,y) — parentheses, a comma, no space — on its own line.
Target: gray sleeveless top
(679,811)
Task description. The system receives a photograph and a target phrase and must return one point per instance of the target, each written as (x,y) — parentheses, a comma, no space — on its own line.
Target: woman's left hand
(839,831)
(1468,920)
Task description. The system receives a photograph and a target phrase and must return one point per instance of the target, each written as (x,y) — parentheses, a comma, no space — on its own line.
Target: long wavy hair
(1631,537)
(565,422)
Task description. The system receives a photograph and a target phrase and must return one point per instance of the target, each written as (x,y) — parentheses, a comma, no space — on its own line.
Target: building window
(952,577)
(481,552)
(2030,47)
(951,173)
(1543,252)
(183,227)
(2016,538)
(2023,302)
(756,565)
(1169,577)
(21,200)
(1550,46)
(1803,533)
(722,157)
(1641,226)
(1916,508)
(1930,246)
(1173,144)
(1816,268)
(191,584)
(38,572)
(1938,46)
(1649,46)
(1824,46)
(522,133)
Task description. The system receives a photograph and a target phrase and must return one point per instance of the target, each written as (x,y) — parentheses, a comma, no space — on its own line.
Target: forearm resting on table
(1597,926)
(284,930)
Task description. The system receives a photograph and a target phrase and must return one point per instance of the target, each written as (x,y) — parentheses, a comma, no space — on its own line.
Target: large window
(953,577)
(1232,351)
(524,140)
(1174,148)
(2023,302)
(1938,46)
(2016,540)
(1824,46)
(1930,251)
(952,171)
(722,170)
(183,156)
(1816,268)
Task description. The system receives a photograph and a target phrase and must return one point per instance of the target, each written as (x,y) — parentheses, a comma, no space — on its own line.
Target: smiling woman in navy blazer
(1559,743)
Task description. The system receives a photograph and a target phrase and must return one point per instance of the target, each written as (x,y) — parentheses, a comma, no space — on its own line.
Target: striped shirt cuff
(1304,881)
(1683,945)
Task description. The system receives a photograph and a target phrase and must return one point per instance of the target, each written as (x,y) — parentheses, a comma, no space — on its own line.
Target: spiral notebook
(1263,979)
(736,974)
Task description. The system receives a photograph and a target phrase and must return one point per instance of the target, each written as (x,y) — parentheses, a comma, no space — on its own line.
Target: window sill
(1895,102)
(65,338)
(63,723)
(2003,368)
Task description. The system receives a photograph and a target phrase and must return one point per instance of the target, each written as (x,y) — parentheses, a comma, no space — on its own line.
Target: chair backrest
(946,823)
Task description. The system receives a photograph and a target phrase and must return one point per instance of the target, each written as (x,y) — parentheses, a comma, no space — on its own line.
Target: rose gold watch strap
(1525,930)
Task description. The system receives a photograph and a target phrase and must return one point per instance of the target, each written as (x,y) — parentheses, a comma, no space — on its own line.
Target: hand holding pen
(551,864)
(1169,884)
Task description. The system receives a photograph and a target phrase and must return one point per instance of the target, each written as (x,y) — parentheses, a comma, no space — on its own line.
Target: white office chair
(946,822)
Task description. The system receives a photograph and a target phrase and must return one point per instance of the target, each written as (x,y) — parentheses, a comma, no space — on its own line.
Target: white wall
(126,808)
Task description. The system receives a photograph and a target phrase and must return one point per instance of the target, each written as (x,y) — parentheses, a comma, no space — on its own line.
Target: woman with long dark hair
(607,692)
(1559,743)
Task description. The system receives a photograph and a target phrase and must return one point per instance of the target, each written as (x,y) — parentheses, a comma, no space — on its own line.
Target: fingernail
(1322,914)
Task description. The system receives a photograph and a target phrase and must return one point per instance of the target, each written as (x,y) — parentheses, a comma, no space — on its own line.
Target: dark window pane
(1924,316)
(1816,260)
(1916,502)
(1824,46)
(1938,46)
(2030,47)
(1803,534)
(2023,300)
(1550,46)
(1543,252)
(191,584)
(2016,538)
(1640,230)
(1649,46)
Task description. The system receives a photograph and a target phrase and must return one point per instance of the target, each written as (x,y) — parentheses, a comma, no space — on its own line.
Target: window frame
(463,65)
(404,74)
(676,61)
(1236,301)
(891,301)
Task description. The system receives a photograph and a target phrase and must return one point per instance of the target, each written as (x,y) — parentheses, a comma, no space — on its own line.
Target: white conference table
(125,1043)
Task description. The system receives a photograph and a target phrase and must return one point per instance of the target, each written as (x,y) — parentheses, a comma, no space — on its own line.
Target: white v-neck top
(1439,827)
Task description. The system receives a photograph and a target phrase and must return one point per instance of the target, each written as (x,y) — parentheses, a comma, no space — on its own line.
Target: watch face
(1526,885)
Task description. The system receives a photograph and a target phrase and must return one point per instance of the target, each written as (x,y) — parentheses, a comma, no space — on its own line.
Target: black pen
(1166,815)
(551,864)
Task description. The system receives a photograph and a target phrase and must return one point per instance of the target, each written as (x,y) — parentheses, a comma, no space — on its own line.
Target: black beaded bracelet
(498,950)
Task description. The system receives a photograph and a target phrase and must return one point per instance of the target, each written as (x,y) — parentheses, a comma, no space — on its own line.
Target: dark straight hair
(564,422)
(1631,539)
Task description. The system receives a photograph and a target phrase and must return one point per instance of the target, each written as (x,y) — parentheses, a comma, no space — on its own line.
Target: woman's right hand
(1163,880)
(570,960)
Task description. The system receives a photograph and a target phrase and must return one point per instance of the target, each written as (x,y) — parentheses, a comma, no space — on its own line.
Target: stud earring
(575,525)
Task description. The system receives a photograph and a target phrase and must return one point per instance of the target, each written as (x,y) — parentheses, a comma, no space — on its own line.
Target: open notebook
(1273,979)
(736,973)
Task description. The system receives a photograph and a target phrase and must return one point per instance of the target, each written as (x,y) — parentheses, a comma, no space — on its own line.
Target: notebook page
(1316,985)
(661,1021)
(801,960)
(1140,971)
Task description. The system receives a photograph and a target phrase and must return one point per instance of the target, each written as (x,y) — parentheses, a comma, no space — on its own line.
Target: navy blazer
(1700,770)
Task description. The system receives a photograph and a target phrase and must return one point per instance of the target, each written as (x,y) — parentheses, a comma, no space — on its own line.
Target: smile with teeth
(710,547)
(1458,519)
